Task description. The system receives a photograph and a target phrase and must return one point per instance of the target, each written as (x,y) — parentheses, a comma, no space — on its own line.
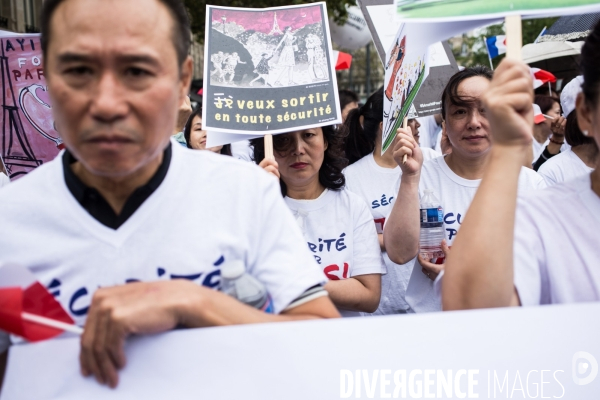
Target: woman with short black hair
(454,179)
(542,248)
(336,223)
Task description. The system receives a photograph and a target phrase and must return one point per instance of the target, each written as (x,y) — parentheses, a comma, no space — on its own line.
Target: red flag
(23,299)
(540,77)
(342,60)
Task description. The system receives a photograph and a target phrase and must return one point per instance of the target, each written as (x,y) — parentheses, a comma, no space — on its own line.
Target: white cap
(569,95)
(538,117)
(232,270)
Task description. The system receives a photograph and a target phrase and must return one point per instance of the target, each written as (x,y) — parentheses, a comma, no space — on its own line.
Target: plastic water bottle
(432,228)
(244,287)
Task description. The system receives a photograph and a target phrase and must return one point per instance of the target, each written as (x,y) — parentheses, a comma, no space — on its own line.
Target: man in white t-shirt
(4,180)
(107,211)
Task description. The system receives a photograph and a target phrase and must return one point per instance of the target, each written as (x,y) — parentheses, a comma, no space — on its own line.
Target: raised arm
(401,231)
(479,269)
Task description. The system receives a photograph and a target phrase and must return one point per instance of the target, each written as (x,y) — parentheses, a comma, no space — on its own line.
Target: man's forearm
(211,308)
(401,232)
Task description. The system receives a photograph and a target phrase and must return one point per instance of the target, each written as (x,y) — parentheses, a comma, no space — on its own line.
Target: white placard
(540,352)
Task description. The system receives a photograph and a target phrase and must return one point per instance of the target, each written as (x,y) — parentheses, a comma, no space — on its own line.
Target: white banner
(542,352)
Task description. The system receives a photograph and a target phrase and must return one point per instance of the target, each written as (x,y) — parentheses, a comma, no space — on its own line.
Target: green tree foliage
(197,10)
(473,50)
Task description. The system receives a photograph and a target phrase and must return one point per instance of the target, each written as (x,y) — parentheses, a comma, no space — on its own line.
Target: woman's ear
(381,126)
(584,115)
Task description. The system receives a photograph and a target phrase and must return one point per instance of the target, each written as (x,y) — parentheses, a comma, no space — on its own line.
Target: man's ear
(185,77)
(584,114)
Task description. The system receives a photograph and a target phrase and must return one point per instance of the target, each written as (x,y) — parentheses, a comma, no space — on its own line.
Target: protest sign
(29,137)
(406,68)
(442,65)
(518,353)
(462,10)
(270,70)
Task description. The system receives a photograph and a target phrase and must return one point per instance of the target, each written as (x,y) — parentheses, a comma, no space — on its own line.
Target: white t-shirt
(429,154)
(4,180)
(234,211)
(538,148)
(374,184)
(455,194)
(563,167)
(556,248)
(242,150)
(429,132)
(339,231)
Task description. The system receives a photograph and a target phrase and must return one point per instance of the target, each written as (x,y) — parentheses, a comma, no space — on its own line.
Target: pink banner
(29,137)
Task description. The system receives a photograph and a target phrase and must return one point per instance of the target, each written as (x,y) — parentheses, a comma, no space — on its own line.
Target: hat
(538,117)
(569,95)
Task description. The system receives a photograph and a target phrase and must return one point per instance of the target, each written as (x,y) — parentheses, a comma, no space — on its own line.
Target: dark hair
(181,26)
(360,138)
(450,93)
(590,54)
(545,102)
(330,173)
(347,97)
(573,134)
(187,132)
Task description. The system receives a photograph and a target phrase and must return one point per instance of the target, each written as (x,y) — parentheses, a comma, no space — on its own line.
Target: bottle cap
(232,270)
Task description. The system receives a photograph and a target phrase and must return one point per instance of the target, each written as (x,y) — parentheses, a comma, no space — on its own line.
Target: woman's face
(300,156)
(466,125)
(414,127)
(553,112)
(588,118)
(198,136)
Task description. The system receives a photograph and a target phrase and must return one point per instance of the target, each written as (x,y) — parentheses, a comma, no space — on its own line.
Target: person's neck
(588,153)
(116,191)
(466,167)
(310,191)
(387,159)
(595,177)
(540,135)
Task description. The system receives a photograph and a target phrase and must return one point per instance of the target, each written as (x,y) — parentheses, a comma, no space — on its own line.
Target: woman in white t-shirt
(580,159)
(454,180)
(541,249)
(371,175)
(336,223)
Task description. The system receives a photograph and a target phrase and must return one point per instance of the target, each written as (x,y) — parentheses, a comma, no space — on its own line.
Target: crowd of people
(329,225)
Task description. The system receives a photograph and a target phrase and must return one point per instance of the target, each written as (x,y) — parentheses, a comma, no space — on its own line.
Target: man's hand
(430,269)
(120,311)
(509,105)
(152,307)
(184,112)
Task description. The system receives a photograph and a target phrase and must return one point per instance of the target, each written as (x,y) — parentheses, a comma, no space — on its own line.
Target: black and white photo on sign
(267,48)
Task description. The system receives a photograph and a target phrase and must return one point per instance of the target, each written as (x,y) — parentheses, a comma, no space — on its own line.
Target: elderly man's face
(114,81)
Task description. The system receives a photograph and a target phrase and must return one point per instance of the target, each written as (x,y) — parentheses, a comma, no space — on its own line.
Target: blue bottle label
(432,215)
(268,306)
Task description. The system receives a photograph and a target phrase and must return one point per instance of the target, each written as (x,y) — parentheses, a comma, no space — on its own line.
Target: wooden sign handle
(514,37)
(404,126)
(269,147)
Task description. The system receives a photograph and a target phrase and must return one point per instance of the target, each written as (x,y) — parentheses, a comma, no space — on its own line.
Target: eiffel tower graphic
(275,30)
(16,150)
